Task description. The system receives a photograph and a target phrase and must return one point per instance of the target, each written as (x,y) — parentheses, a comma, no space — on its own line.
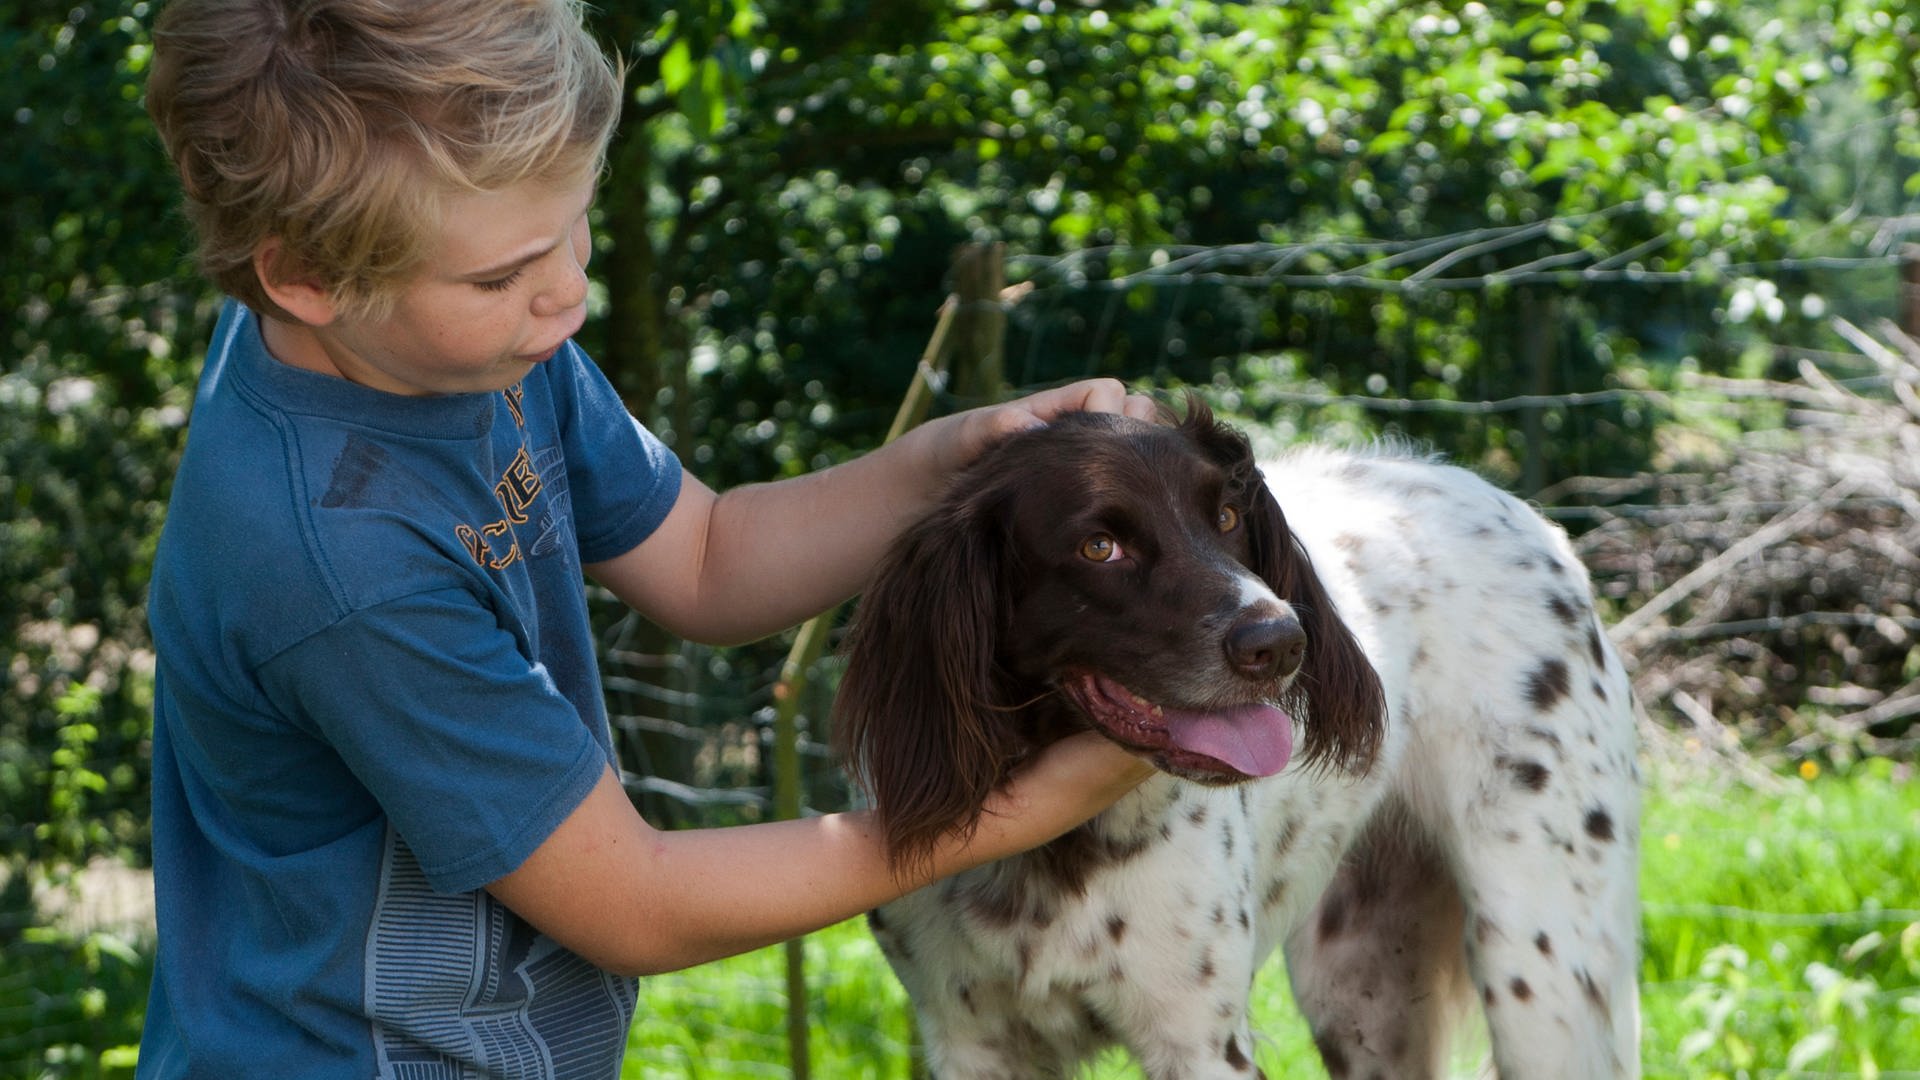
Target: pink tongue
(1255,740)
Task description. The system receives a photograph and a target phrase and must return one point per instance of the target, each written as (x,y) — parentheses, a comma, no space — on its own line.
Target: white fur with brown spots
(1485,858)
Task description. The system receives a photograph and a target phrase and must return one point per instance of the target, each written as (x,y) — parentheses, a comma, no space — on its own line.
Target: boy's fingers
(986,426)
(1089,395)
(1111,396)
(1141,407)
(1102,395)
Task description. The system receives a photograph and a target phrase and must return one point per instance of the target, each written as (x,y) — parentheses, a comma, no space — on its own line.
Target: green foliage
(791,180)
(1781,926)
(1660,146)
(71,1001)
(71,833)
(100,317)
(1778,923)
(727,1020)
(72,1005)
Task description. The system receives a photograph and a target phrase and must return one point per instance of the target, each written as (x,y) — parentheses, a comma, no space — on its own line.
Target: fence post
(808,644)
(979,363)
(1539,333)
(1910,290)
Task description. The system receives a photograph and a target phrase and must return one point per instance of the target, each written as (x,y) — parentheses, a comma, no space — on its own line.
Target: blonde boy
(389,837)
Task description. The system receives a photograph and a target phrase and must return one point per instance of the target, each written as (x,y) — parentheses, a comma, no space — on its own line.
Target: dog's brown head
(1097,572)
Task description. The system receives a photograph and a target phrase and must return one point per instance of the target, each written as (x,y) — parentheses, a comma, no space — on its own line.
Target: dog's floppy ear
(1345,712)
(918,720)
(1346,706)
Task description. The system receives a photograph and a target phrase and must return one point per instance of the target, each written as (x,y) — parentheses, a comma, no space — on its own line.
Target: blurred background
(1654,265)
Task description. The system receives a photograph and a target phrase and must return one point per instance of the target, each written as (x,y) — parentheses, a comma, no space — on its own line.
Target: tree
(1420,200)
(1610,174)
(103,323)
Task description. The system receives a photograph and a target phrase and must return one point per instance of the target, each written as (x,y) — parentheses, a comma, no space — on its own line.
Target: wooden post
(1910,290)
(808,644)
(1539,334)
(980,331)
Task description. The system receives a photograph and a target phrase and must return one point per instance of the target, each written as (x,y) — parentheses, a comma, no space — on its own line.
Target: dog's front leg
(976,1021)
(1184,957)
(1188,1020)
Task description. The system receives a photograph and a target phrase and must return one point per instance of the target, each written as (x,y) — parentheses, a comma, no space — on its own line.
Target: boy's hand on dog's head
(978,429)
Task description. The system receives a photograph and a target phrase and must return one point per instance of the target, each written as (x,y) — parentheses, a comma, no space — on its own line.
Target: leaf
(744,19)
(713,84)
(1549,42)
(676,67)
(116,947)
(1812,1048)
(1740,1051)
(1696,1043)
(1863,946)
(1388,141)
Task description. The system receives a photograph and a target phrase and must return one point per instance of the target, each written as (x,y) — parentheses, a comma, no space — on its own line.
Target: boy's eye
(500,284)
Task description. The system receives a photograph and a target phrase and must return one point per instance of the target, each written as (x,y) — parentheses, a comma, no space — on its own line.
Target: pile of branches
(1766,596)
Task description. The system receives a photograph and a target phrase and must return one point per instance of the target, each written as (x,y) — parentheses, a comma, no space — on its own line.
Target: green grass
(728,1020)
(1782,938)
(70,1005)
(1783,929)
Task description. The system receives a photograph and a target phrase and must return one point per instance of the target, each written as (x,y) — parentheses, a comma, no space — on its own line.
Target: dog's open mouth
(1225,744)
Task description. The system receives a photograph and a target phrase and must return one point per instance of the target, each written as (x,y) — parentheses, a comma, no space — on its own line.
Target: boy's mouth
(541,356)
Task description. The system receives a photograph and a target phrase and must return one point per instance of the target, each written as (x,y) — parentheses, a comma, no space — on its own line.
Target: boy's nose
(568,288)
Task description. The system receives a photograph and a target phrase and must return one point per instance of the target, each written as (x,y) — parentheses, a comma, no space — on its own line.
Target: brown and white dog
(1459,826)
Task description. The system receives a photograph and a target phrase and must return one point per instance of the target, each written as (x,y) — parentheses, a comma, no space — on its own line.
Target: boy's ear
(298,294)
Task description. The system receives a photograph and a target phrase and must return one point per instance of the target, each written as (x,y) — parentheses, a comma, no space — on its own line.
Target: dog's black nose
(1262,648)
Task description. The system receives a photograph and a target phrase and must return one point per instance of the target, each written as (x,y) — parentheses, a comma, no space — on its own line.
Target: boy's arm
(636,900)
(734,567)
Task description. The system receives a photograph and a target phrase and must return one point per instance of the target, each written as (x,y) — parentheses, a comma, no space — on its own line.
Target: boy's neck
(296,345)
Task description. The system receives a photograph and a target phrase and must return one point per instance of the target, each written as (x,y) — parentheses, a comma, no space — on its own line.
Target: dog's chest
(1173,885)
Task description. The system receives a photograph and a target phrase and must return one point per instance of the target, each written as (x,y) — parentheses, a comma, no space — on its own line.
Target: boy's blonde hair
(339,126)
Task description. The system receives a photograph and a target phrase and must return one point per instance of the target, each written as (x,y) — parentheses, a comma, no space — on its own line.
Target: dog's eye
(1100,548)
(1229,518)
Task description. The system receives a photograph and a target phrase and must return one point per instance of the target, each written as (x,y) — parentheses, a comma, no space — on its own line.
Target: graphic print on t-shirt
(529,473)
(550,464)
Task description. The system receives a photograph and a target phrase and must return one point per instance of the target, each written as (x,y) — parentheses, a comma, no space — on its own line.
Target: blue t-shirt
(376,693)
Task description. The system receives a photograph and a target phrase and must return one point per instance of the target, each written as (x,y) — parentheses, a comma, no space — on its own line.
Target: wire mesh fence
(697,727)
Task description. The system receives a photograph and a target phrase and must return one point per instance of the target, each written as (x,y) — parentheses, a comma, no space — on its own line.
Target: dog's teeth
(1158,711)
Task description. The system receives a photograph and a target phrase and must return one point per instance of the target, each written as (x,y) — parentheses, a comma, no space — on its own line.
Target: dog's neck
(1141,814)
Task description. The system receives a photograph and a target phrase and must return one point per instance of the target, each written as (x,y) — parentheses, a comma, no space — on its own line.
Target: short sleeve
(624,480)
(469,748)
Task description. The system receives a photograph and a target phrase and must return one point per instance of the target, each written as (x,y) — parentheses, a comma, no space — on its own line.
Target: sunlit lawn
(1782,938)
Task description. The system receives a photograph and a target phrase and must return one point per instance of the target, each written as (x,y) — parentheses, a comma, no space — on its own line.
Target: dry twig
(1776,591)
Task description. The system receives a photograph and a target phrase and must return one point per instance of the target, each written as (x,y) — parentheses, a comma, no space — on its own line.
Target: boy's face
(504,287)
